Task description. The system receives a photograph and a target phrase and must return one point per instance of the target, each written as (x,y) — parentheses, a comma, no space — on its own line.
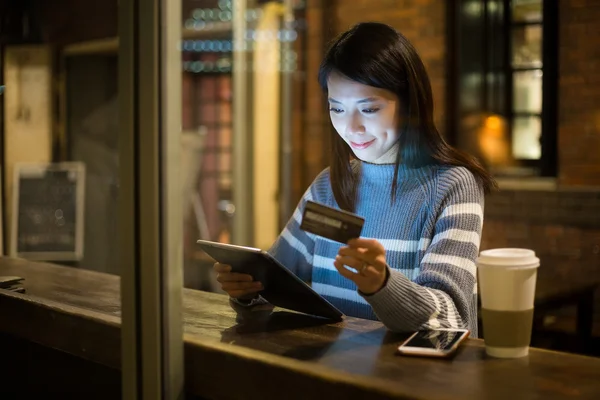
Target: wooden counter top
(291,356)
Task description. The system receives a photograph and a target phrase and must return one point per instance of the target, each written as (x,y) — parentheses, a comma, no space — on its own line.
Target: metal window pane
(169,191)
(152,345)
(527,46)
(527,91)
(526,135)
(526,10)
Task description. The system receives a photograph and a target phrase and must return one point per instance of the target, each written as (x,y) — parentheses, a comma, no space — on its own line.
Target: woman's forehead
(341,87)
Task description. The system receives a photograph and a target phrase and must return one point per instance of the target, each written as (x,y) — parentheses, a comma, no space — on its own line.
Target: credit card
(331,223)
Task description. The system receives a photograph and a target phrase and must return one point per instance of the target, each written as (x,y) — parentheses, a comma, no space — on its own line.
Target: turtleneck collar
(384,173)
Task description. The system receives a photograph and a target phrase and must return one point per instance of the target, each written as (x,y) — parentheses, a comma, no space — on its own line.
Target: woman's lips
(361,146)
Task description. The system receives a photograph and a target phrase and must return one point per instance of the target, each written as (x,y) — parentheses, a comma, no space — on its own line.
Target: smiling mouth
(361,146)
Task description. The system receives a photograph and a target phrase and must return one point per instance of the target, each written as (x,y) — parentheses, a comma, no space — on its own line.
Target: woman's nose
(355,126)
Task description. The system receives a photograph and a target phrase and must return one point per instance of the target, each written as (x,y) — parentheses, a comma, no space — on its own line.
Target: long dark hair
(377,55)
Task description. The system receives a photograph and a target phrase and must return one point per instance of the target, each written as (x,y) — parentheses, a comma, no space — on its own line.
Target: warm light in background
(493,141)
(493,123)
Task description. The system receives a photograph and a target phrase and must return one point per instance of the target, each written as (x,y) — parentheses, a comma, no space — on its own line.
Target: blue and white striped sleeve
(443,295)
(294,247)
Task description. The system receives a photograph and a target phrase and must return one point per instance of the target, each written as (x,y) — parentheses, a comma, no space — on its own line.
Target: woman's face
(366,117)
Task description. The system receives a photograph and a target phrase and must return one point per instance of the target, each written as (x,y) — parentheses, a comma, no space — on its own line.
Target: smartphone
(433,343)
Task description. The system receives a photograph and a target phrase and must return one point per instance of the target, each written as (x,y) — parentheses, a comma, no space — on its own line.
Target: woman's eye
(370,110)
(335,110)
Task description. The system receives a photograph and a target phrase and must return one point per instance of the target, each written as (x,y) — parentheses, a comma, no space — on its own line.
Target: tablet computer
(281,287)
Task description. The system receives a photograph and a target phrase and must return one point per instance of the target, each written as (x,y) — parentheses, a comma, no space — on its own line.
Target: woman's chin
(364,158)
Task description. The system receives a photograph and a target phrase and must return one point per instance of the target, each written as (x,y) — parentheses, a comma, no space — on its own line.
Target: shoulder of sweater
(320,188)
(322,178)
(450,178)
(454,175)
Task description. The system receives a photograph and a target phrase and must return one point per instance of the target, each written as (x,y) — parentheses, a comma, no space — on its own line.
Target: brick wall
(579,93)
(562,226)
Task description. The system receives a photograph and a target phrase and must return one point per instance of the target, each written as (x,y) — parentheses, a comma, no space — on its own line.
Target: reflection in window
(207,48)
(207,121)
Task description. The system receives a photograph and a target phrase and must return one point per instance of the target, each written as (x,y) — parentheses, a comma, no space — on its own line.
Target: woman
(422,200)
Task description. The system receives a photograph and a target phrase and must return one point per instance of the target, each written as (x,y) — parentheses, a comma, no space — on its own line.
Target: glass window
(526,72)
(527,91)
(215,199)
(527,46)
(207,120)
(61,179)
(61,136)
(526,138)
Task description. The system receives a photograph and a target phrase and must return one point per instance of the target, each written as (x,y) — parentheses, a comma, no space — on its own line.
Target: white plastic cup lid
(509,257)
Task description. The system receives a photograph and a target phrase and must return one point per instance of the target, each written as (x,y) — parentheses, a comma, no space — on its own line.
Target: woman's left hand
(367,257)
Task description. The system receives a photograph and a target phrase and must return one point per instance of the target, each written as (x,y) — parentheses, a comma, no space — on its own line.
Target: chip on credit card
(331,223)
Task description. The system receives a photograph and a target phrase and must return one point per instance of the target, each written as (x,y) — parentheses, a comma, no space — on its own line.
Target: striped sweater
(431,235)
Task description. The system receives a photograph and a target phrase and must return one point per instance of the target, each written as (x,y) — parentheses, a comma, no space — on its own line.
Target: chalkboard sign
(47,218)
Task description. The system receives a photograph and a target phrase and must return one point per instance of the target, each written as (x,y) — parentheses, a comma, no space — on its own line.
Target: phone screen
(436,340)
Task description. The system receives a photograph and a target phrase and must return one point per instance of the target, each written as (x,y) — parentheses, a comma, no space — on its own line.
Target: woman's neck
(389,157)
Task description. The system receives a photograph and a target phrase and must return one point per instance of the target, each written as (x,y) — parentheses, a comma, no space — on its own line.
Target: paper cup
(507,279)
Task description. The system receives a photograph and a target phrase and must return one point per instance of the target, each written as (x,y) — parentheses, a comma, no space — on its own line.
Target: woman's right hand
(238,286)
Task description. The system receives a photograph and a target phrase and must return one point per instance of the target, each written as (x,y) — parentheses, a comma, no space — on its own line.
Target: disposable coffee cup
(507,279)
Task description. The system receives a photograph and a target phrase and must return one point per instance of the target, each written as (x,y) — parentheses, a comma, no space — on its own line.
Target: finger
(369,244)
(352,252)
(234,277)
(221,268)
(361,258)
(370,257)
(236,294)
(370,271)
(345,272)
(362,269)
(228,286)
(351,262)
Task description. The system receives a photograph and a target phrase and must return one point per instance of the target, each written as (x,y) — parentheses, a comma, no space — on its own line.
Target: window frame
(488,57)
